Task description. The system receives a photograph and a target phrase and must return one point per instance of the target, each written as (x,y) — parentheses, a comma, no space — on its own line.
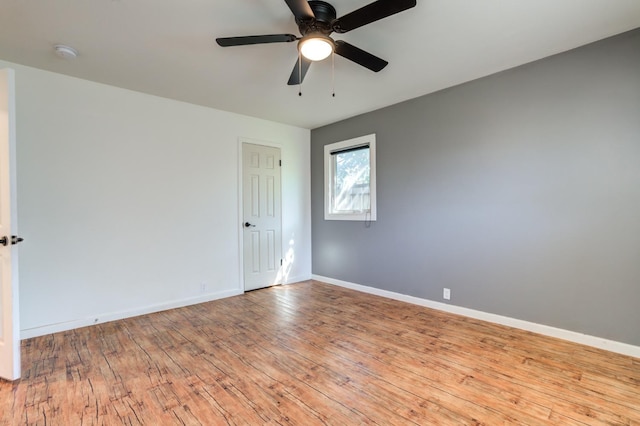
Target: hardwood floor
(311,353)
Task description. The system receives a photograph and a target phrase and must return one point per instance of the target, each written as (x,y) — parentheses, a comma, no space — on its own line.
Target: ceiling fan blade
(256,39)
(300,9)
(370,13)
(359,56)
(298,72)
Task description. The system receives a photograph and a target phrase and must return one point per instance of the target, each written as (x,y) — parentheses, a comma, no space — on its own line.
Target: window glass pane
(350,179)
(351,184)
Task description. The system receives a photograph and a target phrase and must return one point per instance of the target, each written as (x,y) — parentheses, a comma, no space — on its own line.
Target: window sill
(362,217)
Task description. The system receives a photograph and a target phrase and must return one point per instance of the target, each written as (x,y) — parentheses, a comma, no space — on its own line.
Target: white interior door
(262,222)
(9,314)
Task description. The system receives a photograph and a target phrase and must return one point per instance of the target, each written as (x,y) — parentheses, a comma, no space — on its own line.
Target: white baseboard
(113,316)
(572,336)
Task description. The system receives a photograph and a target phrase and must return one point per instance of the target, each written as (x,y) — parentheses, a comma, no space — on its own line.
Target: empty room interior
(336,212)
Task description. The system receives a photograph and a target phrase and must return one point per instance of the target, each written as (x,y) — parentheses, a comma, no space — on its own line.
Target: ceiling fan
(316,21)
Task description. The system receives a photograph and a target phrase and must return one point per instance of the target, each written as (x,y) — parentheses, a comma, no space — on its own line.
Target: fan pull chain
(333,74)
(299,73)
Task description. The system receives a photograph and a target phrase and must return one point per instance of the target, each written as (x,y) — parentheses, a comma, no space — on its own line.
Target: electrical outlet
(203,287)
(446,294)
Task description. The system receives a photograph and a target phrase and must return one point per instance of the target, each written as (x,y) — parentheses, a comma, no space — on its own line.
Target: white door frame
(10,333)
(241,141)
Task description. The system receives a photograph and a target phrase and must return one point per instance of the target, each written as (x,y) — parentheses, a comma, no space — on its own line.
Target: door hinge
(280,162)
(280,262)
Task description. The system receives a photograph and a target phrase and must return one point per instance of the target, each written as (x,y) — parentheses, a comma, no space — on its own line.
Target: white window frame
(329,176)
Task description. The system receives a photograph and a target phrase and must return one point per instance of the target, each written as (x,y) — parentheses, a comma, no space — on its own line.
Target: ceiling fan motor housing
(325,16)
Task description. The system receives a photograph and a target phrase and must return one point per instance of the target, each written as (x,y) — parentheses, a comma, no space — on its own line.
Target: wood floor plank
(552,378)
(312,353)
(405,368)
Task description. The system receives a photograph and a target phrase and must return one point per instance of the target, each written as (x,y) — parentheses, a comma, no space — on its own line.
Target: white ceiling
(167,48)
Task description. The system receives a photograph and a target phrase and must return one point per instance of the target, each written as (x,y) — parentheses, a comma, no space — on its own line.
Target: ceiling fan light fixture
(316,47)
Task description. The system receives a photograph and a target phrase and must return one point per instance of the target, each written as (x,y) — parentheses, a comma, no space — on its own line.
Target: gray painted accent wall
(519,191)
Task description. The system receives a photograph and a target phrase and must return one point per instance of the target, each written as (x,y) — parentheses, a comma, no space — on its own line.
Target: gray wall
(519,191)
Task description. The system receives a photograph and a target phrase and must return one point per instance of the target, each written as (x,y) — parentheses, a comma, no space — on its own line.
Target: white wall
(128,202)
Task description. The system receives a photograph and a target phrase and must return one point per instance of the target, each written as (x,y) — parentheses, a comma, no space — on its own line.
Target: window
(350,179)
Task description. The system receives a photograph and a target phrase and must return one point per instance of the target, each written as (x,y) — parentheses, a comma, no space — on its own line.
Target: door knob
(246,225)
(14,240)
